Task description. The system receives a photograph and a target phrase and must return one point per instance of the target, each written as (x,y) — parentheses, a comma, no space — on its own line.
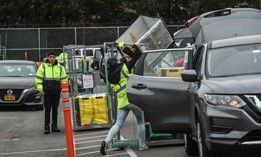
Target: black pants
(51,101)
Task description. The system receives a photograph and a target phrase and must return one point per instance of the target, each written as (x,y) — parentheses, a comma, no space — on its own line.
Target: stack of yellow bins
(93,109)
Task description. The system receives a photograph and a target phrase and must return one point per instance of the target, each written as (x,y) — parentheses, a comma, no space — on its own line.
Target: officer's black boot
(46,130)
(55,128)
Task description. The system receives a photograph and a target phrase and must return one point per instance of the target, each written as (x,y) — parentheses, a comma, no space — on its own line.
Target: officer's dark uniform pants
(51,101)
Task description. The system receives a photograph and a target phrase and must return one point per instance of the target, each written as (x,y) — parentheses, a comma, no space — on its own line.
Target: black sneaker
(46,130)
(55,129)
(104,147)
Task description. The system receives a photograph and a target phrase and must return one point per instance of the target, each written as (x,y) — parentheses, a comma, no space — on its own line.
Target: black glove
(137,51)
(130,53)
(123,60)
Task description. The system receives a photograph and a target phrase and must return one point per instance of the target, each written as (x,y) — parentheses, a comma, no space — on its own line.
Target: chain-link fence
(34,43)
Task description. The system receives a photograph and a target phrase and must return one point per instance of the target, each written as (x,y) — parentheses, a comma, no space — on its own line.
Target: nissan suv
(224,96)
(213,96)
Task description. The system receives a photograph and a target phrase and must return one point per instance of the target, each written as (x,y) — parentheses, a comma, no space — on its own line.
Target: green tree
(66,13)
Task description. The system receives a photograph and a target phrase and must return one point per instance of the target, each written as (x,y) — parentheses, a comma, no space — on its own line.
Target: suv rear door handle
(139,86)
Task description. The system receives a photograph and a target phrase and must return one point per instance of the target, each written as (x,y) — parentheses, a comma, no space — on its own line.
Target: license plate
(9,97)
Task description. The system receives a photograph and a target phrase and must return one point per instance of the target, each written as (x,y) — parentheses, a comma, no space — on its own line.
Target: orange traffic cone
(67,119)
(65,90)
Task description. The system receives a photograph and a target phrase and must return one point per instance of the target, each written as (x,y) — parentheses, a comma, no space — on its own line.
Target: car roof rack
(223,12)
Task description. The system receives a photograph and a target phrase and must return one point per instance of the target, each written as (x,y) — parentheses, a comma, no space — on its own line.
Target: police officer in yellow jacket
(48,81)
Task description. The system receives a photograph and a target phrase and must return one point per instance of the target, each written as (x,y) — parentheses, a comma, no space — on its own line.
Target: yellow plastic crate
(86,110)
(100,110)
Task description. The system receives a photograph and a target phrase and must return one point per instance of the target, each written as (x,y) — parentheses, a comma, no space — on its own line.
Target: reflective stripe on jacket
(120,88)
(48,77)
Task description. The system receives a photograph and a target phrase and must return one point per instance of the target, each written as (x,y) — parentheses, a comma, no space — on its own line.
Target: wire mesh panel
(22,38)
(32,55)
(95,36)
(56,38)
(37,42)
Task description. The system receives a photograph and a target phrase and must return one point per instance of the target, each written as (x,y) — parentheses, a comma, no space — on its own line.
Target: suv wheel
(202,147)
(190,145)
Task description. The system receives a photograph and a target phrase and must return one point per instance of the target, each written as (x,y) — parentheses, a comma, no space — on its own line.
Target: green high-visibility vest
(120,88)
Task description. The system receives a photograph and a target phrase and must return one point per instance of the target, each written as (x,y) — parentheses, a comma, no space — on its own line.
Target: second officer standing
(48,81)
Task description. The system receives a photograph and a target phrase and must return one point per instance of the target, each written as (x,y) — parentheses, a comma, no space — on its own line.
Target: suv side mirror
(189,76)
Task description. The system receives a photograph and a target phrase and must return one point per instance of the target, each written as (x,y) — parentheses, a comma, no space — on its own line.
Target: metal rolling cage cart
(109,52)
(90,110)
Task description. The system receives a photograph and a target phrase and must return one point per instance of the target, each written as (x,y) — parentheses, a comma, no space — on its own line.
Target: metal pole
(118,31)
(39,44)
(1,54)
(6,44)
(75,35)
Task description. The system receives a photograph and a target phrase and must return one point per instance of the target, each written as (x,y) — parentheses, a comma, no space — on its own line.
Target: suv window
(78,53)
(167,63)
(197,62)
(97,54)
(234,60)
(89,53)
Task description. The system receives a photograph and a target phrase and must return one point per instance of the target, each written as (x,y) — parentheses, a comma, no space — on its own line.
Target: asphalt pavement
(21,135)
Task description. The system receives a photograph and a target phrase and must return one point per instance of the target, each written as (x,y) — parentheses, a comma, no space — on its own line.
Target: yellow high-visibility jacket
(120,88)
(49,78)
(62,57)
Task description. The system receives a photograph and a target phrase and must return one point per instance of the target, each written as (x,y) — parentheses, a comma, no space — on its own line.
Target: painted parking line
(34,151)
(85,138)
(48,150)
(94,146)
(93,133)
(88,142)
(9,140)
(117,154)
(2,118)
(95,152)
(129,150)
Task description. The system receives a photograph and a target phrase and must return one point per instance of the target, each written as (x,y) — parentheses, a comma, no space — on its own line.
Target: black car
(17,84)
(214,97)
